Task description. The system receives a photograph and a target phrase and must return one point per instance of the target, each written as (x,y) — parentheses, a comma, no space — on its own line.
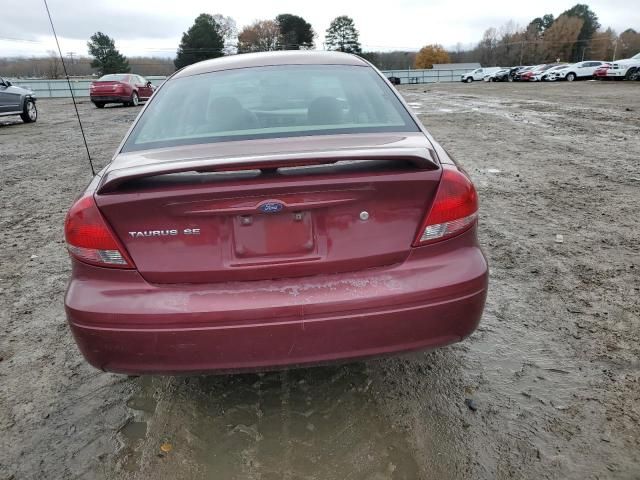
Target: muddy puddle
(309,423)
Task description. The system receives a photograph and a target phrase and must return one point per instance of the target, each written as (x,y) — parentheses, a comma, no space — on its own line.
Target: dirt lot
(553,373)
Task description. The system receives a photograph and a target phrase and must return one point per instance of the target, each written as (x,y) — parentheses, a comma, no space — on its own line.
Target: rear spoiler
(421,158)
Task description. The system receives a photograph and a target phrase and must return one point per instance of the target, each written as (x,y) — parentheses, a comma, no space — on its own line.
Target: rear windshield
(269,102)
(114,77)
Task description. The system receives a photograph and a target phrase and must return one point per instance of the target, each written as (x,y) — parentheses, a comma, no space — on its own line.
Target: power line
(26,40)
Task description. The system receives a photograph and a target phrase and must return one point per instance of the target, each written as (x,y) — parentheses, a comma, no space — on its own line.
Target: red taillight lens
(89,238)
(454,210)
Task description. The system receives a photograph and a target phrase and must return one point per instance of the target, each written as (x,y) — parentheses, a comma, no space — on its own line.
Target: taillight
(90,239)
(454,210)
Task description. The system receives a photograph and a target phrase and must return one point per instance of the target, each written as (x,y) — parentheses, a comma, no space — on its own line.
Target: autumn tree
(260,36)
(429,55)
(106,57)
(343,36)
(204,40)
(560,39)
(295,32)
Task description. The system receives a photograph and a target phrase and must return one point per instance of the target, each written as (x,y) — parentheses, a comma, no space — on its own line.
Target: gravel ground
(548,387)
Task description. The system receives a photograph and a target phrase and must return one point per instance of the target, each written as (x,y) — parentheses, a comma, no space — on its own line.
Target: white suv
(478,74)
(627,68)
(578,70)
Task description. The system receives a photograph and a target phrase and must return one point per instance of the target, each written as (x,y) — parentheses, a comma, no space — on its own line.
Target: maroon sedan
(126,88)
(269,210)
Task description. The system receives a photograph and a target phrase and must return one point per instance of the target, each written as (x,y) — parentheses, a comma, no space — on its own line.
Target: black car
(503,75)
(17,101)
(513,71)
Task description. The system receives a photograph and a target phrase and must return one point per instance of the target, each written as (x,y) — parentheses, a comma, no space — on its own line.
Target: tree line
(574,35)
(213,36)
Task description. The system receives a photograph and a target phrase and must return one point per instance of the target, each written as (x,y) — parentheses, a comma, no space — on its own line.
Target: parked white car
(558,74)
(627,68)
(546,75)
(580,70)
(478,74)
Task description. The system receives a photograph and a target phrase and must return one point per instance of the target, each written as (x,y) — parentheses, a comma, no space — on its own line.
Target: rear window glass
(114,77)
(269,102)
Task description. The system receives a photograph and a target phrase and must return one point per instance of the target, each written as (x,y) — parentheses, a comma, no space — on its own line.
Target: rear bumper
(124,324)
(109,98)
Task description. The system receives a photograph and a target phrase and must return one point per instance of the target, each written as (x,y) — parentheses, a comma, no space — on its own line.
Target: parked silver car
(17,101)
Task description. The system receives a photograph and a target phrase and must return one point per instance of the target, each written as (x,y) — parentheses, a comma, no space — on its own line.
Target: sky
(154,27)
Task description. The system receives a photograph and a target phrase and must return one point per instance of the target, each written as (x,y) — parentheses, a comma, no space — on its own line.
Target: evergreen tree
(204,40)
(295,32)
(343,36)
(106,58)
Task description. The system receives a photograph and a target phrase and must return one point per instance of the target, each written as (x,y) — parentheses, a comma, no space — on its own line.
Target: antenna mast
(73,97)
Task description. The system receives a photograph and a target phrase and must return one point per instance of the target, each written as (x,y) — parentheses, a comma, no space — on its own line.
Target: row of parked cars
(628,69)
(126,88)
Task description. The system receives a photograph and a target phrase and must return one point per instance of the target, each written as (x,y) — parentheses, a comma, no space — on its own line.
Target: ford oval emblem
(271,207)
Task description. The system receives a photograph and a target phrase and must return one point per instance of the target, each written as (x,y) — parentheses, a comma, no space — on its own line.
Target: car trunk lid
(106,86)
(266,209)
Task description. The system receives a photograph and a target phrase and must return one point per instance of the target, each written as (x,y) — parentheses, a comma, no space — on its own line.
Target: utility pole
(70,55)
(584,49)
(615,48)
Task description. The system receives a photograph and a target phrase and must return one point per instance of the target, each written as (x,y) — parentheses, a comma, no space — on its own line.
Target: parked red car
(601,72)
(527,76)
(126,88)
(268,210)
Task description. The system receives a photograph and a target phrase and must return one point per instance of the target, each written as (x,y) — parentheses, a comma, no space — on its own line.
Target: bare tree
(229,31)
(260,36)
(629,43)
(54,66)
(488,46)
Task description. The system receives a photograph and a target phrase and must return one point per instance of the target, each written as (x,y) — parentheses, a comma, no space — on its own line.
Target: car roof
(262,59)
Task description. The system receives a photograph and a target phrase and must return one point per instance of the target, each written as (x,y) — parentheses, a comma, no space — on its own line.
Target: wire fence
(60,89)
(427,76)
